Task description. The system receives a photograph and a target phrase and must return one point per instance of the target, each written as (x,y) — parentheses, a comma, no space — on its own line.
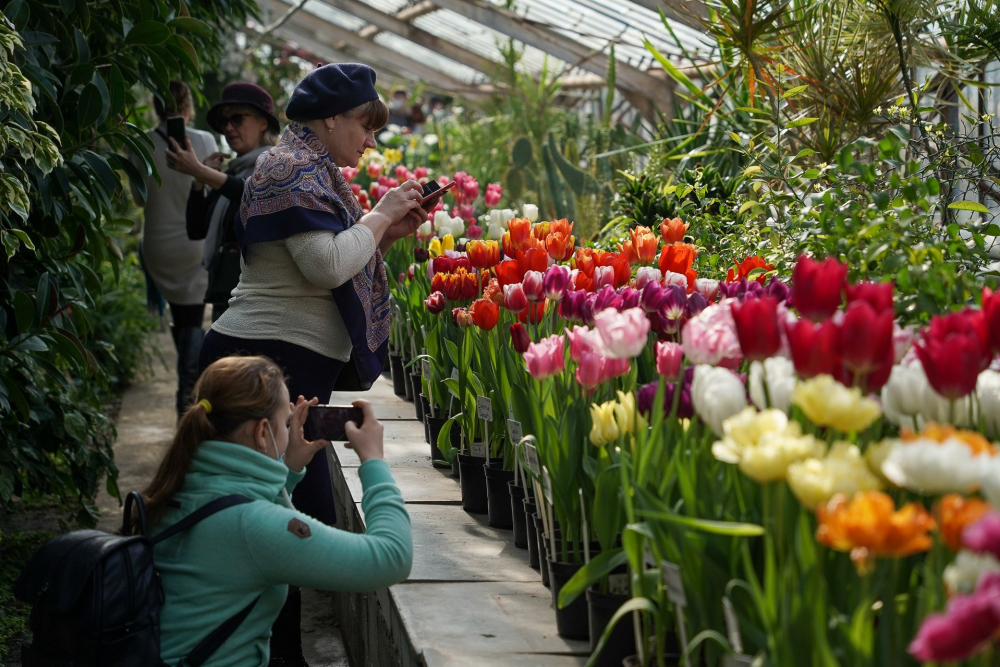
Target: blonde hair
(231,392)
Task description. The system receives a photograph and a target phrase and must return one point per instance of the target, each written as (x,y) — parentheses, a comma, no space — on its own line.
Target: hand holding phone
(328,421)
(432,192)
(176,129)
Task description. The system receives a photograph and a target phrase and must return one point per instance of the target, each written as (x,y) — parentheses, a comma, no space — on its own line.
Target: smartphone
(176,129)
(326,422)
(432,191)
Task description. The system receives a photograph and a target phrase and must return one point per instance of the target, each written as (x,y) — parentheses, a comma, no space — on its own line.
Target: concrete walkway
(145,430)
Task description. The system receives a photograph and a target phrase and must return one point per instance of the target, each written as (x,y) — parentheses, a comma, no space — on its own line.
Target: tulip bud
(534,286)
(818,287)
(708,288)
(435,303)
(530,211)
(555,282)
(669,356)
(462,318)
(604,276)
(630,298)
(671,278)
(514,299)
(647,274)
(519,338)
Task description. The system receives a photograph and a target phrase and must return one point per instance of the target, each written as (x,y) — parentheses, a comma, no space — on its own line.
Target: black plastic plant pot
(398,375)
(407,386)
(529,526)
(498,496)
(473,480)
(456,442)
(415,388)
(517,515)
(571,620)
(540,541)
(621,644)
(434,426)
(425,411)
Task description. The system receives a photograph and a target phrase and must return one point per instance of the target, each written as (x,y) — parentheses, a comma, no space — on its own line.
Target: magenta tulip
(555,281)
(514,299)
(668,359)
(534,286)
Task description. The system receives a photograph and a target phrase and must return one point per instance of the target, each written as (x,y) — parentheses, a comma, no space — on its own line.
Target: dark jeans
(188,336)
(309,374)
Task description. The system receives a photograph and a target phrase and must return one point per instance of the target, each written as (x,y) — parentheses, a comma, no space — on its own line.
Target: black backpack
(96,597)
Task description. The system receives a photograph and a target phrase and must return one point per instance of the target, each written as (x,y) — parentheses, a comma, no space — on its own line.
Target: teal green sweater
(219,566)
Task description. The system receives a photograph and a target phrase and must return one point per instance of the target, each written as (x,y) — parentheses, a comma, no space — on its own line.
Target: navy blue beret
(330,90)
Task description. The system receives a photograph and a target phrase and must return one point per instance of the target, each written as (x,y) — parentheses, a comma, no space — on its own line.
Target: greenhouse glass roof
(454,44)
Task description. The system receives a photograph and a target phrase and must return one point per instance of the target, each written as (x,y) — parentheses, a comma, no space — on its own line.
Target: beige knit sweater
(284,290)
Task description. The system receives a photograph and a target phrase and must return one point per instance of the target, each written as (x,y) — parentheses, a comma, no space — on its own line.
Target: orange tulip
(520,230)
(540,230)
(744,268)
(564,226)
(621,265)
(942,432)
(673,230)
(493,291)
(955,513)
(627,248)
(868,526)
(677,258)
(559,246)
(507,272)
(483,254)
(484,313)
(644,243)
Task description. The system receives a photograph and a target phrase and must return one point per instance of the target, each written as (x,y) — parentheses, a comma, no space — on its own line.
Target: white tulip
(647,274)
(457,227)
(780,383)
(989,480)
(717,394)
(442,222)
(932,468)
(530,211)
(988,393)
(901,396)
(496,216)
(963,575)
(494,231)
(426,229)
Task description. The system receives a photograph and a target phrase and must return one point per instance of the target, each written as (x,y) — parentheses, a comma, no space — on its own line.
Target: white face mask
(274,443)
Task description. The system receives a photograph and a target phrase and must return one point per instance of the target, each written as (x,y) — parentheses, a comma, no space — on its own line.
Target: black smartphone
(326,422)
(432,192)
(176,129)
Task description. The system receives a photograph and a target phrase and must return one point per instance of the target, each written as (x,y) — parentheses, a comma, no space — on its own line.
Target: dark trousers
(309,374)
(188,336)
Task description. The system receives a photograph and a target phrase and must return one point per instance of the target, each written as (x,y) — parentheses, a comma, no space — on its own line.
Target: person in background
(437,109)
(417,119)
(313,294)
(171,259)
(245,117)
(243,436)
(398,113)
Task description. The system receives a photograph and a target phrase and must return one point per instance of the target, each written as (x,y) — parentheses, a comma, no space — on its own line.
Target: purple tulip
(555,281)
(630,298)
(777,289)
(571,306)
(652,297)
(685,407)
(607,298)
(673,305)
(696,302)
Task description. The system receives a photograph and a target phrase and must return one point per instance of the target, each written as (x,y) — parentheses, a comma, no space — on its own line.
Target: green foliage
(15,551)
(71,78)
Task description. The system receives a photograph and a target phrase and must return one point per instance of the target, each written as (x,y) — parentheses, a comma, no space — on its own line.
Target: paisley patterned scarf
(297,188)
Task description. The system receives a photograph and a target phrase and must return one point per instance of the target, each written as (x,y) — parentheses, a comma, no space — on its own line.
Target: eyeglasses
(236,119)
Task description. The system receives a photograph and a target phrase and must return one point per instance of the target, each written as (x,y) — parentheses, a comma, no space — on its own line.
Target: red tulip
(514,299)
(484,313)
(953,351)
(814,347)
(966,322)
(757,327)
(866,337)
(442,264)
(748,265)
(677,258)
(818,287)
(879,295)
(519,338)
(507,273)
(991,317)
(533,313)
(435,303)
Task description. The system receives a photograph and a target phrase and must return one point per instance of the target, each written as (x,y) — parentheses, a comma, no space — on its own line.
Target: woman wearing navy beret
(313,294)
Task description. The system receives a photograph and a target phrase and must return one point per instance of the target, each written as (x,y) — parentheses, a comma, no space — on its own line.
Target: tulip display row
(780,438)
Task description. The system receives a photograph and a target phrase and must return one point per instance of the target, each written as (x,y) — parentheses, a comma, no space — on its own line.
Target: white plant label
(737,661)
(618,584)
(514,428)
(454,376)
(547,485)
(479,449)
(673,583)
(484,408)
(426,364)
(531,458)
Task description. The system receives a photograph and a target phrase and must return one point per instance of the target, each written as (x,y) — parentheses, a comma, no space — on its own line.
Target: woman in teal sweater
(243,436)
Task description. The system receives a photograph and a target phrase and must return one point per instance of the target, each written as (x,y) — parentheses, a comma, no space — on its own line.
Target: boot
(188,342)
(286,635)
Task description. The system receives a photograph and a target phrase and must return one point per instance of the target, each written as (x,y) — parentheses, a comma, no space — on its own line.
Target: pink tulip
(392,182)
(420,172)
(470,189)
(590,370)
(671,278)
(514,299)
(647,274)
(349,173)
(374,169)
(582,341)
(493,193)
(984,535)
(534,286)
(604,275)
(467,212)
(474,232)
(708,288)
(444,180)
(401,172)
(668,359)
(381,192)
(967,627)
(624,334)
(710,337)
(545,358)
(556,280)
(614,368)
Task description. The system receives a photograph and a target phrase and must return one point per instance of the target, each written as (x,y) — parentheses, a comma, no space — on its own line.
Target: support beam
(628,78)
(397,26)
(325,31)
(406,15)
(678,10)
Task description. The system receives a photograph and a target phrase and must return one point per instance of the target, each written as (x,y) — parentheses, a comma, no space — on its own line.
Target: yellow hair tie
(205,404)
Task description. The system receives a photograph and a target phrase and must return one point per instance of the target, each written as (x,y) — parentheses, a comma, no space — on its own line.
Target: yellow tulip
(763,444)
(828,403)
(843,470)
(392,156)
(604,429)
(629,419)
(448,242)
(434,248)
